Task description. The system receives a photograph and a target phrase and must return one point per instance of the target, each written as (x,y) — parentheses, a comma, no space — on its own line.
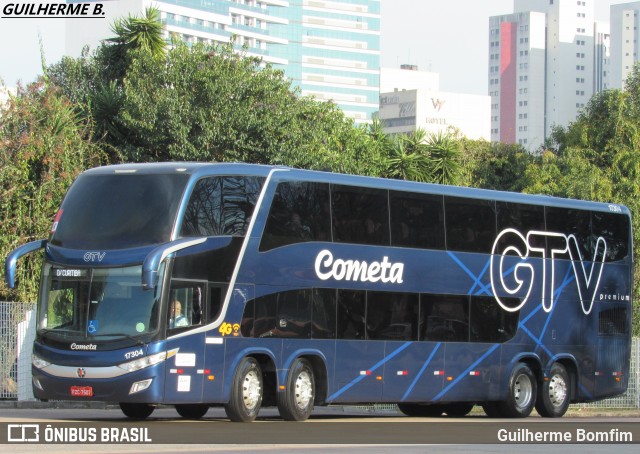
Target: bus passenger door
(185,370)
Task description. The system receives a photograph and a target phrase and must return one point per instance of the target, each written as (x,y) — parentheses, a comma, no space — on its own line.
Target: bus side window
(572,222)
(417,220)
(360,215)
(299,213)
(323,314)
(217,292)
(186,305)
(614,228)
(351,314)
(392,316)
(489,322)
(446,317)
(470,224)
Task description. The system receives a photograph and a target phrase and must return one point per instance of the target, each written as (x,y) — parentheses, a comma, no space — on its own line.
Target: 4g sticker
(227,329)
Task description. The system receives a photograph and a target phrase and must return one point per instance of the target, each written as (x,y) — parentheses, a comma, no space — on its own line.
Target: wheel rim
(522,391)
(251,390)
(303,390)
(557,390)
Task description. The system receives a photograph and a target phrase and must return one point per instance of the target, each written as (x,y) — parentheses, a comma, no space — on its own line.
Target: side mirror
(12,259)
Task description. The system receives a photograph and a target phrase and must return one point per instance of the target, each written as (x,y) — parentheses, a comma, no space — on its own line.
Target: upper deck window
(221,206)
(119,211)
(299,213)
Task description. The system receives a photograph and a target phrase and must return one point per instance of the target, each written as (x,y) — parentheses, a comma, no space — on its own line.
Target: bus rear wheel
(192,411)
(136,411)
(296,402)
(522,393)
(554,394)
(424,410)
(246,392)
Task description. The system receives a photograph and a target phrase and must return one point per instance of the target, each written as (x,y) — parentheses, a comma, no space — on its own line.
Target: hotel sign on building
(436,111)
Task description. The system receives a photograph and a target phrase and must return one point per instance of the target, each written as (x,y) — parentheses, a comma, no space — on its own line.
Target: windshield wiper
(128,336)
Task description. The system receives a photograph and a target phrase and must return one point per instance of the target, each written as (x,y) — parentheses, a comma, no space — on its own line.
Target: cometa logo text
(355,270)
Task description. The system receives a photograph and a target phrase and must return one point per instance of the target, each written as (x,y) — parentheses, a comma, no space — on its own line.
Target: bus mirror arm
(12,260)
(152,261)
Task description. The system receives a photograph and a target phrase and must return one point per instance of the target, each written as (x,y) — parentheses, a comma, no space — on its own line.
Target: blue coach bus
(243,286)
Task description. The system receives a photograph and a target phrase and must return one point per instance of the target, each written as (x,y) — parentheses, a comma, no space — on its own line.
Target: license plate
(82,391)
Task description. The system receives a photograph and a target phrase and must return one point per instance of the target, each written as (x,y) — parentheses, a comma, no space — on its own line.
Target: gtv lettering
(512,272)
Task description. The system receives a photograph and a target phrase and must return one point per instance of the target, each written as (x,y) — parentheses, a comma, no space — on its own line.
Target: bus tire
(522,393)
(246,392)
(492,409)
(136,411)
(554,394)
(458,410)
(296,402)
(192,411)
(421,410)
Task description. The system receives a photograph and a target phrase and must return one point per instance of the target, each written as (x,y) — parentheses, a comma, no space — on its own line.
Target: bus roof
(201,169)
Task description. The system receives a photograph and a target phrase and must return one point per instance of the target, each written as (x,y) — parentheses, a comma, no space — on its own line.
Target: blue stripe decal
(362,377)
(424,366)
(466,372)
(557,294)
(470,274)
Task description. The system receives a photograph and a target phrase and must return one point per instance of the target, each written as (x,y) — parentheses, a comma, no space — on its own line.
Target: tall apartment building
(625,36)
(328,48)
(546,60)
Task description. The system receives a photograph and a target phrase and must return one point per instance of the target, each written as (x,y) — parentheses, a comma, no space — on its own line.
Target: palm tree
(444,152)
(143,34)
(408,158)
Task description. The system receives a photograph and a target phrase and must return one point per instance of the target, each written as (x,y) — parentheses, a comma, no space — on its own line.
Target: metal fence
(16,340)
(17,331)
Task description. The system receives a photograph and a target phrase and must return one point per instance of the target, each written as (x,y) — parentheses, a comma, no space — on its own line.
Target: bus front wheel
(246,392)
(192,411)
(136,411)
(296,402)
(554,393)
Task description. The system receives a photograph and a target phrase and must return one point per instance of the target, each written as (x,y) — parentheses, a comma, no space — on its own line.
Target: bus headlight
(141,363)
(38,362)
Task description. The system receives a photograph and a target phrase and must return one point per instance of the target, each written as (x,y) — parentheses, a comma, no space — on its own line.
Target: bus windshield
(118,211)
(96,304)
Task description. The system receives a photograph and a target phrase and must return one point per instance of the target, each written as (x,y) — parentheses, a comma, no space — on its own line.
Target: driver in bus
(177,319)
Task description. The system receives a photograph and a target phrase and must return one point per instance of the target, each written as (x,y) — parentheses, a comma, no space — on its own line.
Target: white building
(329,49)
(625,33)
(411,99)
(543,60)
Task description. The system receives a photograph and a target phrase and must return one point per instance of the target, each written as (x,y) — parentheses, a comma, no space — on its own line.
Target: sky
(444,36)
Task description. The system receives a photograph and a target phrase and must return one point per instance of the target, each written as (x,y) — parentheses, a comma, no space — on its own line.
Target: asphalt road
(97,430)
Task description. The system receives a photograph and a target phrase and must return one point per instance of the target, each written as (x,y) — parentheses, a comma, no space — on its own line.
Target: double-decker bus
(243,286)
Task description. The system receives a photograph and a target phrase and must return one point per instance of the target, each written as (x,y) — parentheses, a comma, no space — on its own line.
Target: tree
(444,152)
(494,165)
(44,145)
(210,103)
(407,157)
(132,34)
